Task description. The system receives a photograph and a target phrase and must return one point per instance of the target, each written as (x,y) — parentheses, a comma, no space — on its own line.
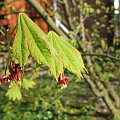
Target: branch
(93,86)
(101,55)
(41,11)
(68,15)
(101,91)
(91,15)
(2,32)
(112,94)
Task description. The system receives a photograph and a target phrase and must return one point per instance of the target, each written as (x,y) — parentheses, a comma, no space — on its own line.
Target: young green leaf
(14,92)
(34,39)
(27,84)
(40,48)
(71,57)
(20,47)
(56,65)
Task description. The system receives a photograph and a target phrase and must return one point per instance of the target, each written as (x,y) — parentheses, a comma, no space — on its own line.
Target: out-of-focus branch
(100,90)
(2,32)
(96,85)
(101,55)
(41,11)
(113,94)
(74,3)
(68,15)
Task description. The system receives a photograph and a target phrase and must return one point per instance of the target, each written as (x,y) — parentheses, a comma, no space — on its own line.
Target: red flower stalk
(4,79)
(63,79)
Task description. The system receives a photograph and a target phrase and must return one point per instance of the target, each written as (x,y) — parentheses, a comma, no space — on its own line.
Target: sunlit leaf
(27,84)
(56,66)
(34,39)
(20,47)
(71,57)
(14,92)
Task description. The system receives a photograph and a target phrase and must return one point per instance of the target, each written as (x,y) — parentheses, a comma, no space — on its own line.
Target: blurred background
(92,27)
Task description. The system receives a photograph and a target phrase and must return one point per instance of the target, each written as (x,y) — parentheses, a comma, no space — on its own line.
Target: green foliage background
(47,101)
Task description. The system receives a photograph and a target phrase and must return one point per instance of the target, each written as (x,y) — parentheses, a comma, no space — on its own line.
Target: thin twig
(101,55)
(13,29)
(2,32)
(56,97)
(68,14)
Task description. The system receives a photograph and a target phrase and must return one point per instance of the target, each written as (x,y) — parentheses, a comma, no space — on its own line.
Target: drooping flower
(63,79)
(4,79)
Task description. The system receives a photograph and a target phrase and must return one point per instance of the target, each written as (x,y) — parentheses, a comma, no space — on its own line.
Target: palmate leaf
(71,57)
(50,50)
(27,84)
(14,92)
(30,39)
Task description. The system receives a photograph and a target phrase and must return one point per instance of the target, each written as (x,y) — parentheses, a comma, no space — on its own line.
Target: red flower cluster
(63,79)
(15,71)
(15,74)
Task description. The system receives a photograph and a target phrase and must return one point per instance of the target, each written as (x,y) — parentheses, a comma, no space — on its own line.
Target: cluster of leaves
(50,50)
